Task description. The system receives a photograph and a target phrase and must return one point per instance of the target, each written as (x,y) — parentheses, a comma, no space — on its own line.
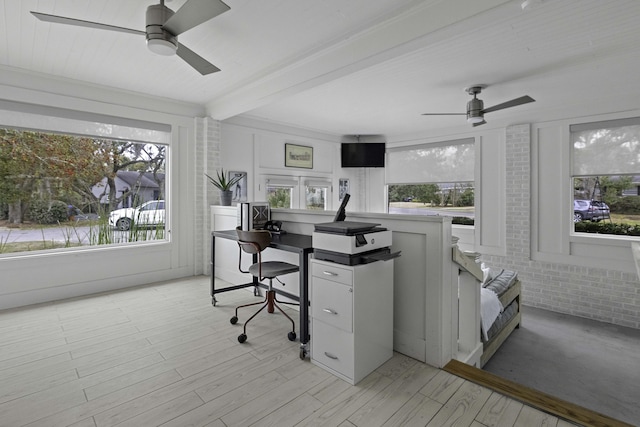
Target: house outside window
(433,179)
(605,177)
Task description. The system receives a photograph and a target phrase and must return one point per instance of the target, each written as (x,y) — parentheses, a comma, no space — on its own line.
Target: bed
(505,285)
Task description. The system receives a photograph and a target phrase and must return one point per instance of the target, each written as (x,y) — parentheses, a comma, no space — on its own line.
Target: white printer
(351,243)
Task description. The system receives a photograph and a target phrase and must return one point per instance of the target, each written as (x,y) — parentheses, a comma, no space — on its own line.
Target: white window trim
(48,119)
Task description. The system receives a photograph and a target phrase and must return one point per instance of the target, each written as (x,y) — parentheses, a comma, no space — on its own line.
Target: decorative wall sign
(298,156)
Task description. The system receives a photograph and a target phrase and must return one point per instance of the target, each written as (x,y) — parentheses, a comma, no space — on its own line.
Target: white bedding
(490,309)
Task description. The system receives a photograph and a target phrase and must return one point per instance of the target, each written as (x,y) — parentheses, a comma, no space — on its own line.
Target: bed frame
(470,317)
(491,346)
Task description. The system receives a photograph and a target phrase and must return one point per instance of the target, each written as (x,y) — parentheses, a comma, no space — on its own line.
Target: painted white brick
(207,160)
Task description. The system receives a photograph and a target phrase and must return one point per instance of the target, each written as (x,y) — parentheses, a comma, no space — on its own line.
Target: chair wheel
(233,320)
(292,336)
(242,338)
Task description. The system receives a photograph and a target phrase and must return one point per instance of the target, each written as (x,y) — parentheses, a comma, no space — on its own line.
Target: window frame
(398,177)
(316,183)
(551,219)
(52,120)
(573,128)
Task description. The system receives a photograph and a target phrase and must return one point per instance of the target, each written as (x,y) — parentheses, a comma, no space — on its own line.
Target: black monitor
(341,214)
(363,154)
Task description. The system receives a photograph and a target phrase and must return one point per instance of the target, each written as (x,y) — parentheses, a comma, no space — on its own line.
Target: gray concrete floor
(593,364)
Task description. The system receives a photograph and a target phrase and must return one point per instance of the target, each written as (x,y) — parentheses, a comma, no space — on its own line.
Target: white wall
(257,147)
(47,276)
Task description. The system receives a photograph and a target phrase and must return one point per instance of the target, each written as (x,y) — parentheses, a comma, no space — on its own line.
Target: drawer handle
(328,310)
(329,273)
(330,356)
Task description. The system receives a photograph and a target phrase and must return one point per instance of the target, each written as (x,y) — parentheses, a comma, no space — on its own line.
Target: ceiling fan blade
(479,123)
(444,114)
(201,65)
(80,23)
(193,13)
(513,103)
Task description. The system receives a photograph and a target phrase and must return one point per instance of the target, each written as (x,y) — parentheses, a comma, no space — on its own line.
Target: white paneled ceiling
(351,66)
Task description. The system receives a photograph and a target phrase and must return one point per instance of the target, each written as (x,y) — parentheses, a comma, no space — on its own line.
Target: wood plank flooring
(163,355)
(552,404)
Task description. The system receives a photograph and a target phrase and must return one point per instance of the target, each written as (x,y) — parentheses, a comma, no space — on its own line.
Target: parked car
(408,199)
(590,210)
(147,214)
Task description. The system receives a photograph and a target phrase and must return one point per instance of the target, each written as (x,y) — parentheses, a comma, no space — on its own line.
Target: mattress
(507,314)
(499,281)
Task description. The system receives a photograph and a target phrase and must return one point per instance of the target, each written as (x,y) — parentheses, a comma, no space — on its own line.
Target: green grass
(625,219)
(6,248)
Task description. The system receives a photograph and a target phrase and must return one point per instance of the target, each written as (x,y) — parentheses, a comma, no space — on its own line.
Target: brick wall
(600,294)
(207,160)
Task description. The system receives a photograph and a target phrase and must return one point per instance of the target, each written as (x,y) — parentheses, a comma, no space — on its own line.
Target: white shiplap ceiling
(351,66)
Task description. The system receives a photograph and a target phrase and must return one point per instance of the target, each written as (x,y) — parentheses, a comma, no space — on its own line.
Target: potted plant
(224,184)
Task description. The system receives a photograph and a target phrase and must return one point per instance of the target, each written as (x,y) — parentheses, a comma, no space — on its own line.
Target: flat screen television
(363,154)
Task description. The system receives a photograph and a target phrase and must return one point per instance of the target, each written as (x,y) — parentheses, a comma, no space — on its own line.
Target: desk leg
(213,270)
(304,302)
(256,283)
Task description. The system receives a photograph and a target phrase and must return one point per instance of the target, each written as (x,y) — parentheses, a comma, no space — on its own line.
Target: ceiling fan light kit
(474,106)
(162,47)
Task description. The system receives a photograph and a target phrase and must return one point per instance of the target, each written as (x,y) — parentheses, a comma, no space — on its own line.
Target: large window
(606,177)
(66,181)
(433,179)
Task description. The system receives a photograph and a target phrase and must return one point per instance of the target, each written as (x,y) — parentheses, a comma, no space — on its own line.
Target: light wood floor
(162,355)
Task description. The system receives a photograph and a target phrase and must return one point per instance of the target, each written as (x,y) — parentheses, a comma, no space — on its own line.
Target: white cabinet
(351,317)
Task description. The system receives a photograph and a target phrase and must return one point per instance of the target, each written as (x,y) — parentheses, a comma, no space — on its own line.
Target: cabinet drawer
(333,348)
(332,303)
(331,272)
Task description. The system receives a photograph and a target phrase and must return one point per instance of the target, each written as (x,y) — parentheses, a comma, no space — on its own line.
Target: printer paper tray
(356,259)
(383,256)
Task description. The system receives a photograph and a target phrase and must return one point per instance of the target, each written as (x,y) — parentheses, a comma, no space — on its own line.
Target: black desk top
(291,242)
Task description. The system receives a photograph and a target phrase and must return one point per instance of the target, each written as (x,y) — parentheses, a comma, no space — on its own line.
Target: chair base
(270,302)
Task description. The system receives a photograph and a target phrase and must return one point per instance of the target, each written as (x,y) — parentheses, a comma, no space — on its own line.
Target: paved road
(57,234)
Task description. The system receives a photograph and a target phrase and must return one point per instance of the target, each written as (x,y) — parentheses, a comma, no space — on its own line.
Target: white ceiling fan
(475,107)
(163,26)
